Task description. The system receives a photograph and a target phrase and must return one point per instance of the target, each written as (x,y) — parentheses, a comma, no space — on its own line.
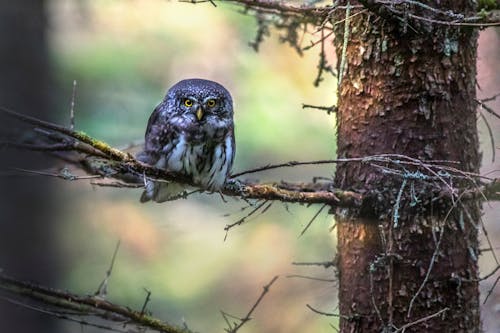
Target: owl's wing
(233,153)
(152,139)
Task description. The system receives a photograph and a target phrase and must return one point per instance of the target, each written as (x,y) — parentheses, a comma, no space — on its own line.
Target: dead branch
(123,167)
(325,264)
(313,278)
(311,221)
(102,290)
(419,14)
(327,314)
(328,109)
(488,14)
(60,302)
(234,327)
(421,320)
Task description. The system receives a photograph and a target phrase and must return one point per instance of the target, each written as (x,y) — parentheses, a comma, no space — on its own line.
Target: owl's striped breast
(208,163)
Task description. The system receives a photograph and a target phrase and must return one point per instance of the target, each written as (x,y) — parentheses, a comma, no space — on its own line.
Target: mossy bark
(411,93)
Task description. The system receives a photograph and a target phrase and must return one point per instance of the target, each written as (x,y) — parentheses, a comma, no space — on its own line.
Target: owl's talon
(235,185)
(222,196)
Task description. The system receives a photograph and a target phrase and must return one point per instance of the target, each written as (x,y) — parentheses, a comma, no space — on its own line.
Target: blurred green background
(124,55)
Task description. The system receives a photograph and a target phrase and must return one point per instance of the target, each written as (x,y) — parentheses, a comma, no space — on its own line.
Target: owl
(190,132)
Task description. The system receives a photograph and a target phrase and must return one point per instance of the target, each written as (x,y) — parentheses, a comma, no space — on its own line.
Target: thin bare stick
(490,133)
(421,320)
(490,274)
(372,294)
(311,221)
(489,99)
(81,136)
(325,264)
(427,274)
(487,108)
(342,66)
(328,314)
(72,108)
(103,286)
(490,291)
(146,301)
(64,173)
(243,219)
(290,164)
(63,146)
(37,147)
(199,1)
(328,109)
(245,319)
(310,278)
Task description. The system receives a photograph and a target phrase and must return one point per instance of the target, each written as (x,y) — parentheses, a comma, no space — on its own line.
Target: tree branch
(61,301)
(421,13)
(95,157)
(124,167)
(488,14)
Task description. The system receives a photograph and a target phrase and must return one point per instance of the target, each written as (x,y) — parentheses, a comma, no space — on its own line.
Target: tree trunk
(407,258)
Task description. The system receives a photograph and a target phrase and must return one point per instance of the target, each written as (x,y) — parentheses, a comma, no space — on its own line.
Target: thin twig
(432,261)
(311,221)
(491,98)
(490,274)
(343,57)
(371,270)
(310,278)
(72,108)
(102,290)
(421,320)
(487,108)
(328,314)
(490,291)
(397,204)
(64,173)
(243,219)
(81,136)
(328,109)
(492,137)
(325,264)
(245,319)
(146,301)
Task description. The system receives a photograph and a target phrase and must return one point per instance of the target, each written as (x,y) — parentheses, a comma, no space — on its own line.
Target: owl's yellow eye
(211,103)
(188,102)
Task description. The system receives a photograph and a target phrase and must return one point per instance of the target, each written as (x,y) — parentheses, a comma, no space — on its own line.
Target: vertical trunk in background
(409,93)
(26,219)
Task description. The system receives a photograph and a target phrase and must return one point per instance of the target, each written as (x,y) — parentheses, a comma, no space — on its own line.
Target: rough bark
(411,93)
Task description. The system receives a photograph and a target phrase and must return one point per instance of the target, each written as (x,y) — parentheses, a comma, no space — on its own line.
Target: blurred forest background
(124,55)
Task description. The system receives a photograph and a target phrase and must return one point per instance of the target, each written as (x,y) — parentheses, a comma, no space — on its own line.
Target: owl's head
(200,99)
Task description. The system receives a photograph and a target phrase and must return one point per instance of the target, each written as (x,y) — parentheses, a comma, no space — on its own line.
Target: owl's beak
(199,113)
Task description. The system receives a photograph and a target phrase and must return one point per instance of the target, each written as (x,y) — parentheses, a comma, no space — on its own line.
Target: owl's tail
(162,191)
